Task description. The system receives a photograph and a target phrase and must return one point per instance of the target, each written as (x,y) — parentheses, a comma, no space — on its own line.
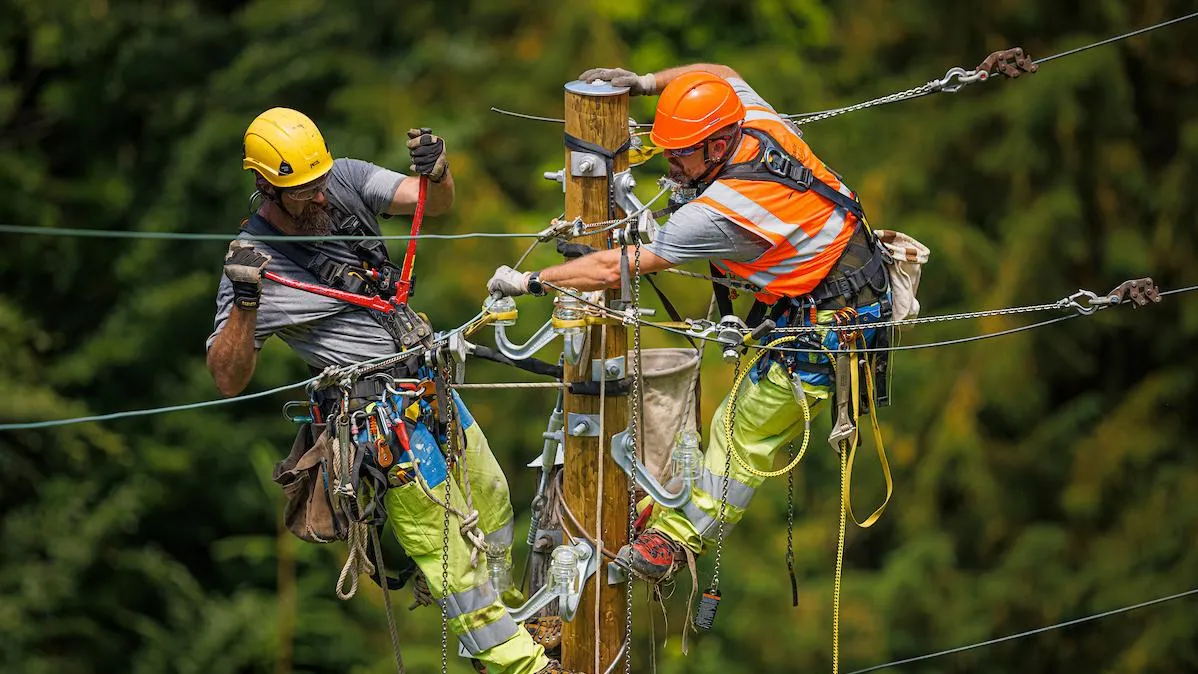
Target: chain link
(915,92)
(451,445)
(790,524)
(634,428)
(719,540)
(1063,303)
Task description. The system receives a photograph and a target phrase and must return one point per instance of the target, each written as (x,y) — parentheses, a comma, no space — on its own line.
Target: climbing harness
(375,283)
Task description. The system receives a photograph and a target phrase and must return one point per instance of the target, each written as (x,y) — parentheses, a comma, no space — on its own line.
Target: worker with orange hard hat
(767,212)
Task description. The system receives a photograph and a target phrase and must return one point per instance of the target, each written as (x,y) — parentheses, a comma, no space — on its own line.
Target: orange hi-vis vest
(807,232)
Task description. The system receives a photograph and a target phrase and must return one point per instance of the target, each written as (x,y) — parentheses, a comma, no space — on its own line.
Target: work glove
(1010,62)
(428,154)
(638,85)
(244,267)
(508,282)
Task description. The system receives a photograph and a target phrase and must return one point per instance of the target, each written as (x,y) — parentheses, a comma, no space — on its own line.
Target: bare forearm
(589,272)
(600,269)
(232,356)
(670,74)
(440,195)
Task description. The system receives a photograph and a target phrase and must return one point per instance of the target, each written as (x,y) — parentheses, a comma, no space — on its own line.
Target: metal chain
(451,437)
(634,428)
(916,92)
(790,524)
(1063,303)
(719,541)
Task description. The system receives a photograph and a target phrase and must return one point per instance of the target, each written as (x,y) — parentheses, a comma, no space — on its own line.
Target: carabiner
(958,77)
(1093,302)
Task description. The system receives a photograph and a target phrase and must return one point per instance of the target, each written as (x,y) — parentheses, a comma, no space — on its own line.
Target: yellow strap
(856,387)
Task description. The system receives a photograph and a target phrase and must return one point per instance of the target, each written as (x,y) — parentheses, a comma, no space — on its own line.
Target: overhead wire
(910,94)
(1028,633)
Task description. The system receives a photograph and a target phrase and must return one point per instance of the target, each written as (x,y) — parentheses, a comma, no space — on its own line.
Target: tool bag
(906,259)
(305,477)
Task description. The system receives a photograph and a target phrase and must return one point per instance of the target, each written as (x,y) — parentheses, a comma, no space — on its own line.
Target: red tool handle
(404,285)
(375,302)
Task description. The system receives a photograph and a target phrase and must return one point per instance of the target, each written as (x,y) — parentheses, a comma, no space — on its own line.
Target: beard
(314,220)
(676,175)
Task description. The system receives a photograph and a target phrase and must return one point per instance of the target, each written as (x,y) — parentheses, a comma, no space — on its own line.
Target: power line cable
(1028,633)
(910,94)
(200,236)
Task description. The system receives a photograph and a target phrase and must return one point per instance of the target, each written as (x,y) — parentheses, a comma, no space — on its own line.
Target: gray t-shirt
(699,232)
(322,330)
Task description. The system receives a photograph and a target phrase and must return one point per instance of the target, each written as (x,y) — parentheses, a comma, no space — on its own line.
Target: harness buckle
(779,163)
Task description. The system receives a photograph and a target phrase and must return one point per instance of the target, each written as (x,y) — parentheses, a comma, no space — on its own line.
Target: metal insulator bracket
(624,454)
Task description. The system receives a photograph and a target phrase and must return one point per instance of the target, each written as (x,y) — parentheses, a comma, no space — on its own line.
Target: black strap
(774,164)
(723,295)
(850,284)
(331,272)
(669,307)
(527,364)
(609,156)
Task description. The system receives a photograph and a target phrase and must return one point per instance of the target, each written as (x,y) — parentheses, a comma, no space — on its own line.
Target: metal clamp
(624,454)
(587,165)
(611,368)
(588,562)
(579,425)
(956,78)
(622,186)
(539,340)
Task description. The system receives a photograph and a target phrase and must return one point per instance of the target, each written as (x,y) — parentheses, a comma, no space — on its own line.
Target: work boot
(555,667)
(653,556)
(547,631)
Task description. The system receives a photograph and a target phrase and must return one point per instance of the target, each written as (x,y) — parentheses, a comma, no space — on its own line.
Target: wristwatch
(535,287)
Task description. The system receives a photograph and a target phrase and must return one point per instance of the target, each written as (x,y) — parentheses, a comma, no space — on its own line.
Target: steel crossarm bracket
(588,562)
(539,340)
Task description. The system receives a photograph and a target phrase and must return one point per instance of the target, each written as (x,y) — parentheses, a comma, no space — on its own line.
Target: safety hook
(958,77)
(1093,302)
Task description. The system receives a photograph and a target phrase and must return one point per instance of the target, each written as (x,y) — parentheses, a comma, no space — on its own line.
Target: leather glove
(1010,62)
(508,282)
(428,154)
(244,267)
(638,85)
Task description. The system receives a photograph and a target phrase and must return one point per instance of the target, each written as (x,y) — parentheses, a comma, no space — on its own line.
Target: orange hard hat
(692,107)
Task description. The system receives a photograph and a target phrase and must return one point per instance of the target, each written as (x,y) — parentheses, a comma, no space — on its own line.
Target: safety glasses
(687,151)
(307,192)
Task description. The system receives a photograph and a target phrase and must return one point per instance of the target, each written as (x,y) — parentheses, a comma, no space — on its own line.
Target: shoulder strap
(774,164)
(331,272)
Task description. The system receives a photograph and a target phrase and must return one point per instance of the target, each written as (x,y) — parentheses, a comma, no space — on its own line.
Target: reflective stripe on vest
(806,232)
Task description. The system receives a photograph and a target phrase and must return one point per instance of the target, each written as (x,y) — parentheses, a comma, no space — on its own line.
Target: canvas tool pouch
(907,257)
(306,478)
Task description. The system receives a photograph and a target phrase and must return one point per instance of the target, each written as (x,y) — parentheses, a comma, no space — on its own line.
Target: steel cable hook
(957,77)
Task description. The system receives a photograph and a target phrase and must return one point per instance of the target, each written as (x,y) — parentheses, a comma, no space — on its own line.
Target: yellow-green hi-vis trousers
(767,419)
(476,613)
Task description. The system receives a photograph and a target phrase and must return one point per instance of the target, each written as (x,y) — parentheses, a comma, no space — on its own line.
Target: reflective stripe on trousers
(767,418)
(477,616)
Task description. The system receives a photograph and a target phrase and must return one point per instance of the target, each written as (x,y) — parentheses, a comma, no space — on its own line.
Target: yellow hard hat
(286,148)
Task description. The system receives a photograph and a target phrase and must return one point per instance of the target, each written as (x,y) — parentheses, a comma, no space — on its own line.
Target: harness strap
(773,163)
(669,306)
(856,388)
(609,156)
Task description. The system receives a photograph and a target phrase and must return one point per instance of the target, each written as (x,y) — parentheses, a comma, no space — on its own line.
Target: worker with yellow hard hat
(398,436)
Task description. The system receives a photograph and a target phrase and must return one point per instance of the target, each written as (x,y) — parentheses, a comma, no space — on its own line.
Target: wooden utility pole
(596,114)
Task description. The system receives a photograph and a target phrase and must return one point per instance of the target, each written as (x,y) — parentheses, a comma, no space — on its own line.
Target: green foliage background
(1040,477)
